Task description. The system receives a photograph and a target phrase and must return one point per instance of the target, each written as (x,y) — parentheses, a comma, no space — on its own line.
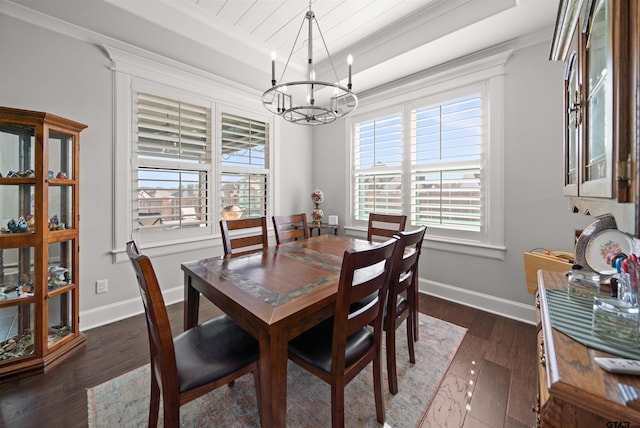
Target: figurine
(22,225)
(58,276)
(61,175)
(31,221)
(53,223)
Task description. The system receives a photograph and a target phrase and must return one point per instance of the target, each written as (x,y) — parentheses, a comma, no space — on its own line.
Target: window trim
(168,76)
(488,72)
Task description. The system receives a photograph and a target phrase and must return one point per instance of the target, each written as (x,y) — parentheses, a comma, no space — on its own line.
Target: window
(446,148)
(378,166)
(189,150)
(174,172)
(173,151)
(244,167)
(434,152)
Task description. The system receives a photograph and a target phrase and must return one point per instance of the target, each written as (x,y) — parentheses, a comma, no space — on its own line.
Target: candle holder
(317,197)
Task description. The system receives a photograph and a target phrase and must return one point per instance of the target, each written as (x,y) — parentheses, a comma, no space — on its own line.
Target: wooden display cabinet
(39,241)
(597,41)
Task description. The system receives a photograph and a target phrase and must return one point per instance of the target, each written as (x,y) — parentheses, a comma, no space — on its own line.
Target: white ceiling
(388,39)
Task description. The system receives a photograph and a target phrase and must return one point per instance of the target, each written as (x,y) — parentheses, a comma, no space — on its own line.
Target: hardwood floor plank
(491,394)
(471,422)
(449,406)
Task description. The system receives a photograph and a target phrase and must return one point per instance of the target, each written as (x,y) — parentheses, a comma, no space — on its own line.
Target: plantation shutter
(245,166)
(173,149)
(378,166)
(173,129)
(446,152)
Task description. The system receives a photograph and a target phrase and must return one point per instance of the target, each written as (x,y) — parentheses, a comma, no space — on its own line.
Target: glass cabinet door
(17,178)
(60,178)
(597,162)
(573,120)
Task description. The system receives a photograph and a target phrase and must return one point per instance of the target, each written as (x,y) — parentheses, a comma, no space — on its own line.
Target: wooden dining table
(275,294)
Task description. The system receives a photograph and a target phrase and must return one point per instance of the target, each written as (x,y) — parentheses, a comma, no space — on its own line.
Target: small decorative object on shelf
(317,197)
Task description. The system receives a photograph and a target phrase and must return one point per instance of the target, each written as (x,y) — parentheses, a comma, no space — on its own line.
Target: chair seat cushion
(212,350)
(314,346)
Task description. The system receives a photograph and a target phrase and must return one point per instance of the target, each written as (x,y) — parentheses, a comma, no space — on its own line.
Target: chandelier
(309,102)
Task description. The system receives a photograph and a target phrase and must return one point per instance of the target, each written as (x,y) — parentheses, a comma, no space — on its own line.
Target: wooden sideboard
(573,390)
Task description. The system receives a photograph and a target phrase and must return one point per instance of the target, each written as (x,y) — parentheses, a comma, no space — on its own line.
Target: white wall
(536,212)
(47,71)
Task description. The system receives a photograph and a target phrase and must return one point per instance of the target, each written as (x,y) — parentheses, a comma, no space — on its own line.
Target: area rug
(124,401)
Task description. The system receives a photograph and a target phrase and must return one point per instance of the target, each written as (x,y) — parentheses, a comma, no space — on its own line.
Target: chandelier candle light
(309,102)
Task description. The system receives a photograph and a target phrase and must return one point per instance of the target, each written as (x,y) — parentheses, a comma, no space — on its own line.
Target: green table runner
(574,316)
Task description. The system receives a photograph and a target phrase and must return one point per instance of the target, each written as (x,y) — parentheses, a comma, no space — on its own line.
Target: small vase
(317,197)
(317,215)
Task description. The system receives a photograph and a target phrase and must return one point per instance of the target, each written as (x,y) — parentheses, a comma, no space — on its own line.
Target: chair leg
(377,387)
(391,359)
(154,405)
(337,406)
(410,336)
(171,409)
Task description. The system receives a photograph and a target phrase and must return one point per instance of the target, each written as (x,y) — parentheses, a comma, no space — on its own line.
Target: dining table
(275,294)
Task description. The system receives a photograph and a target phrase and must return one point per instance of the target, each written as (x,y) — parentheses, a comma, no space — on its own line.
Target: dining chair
(195,362)
(244,236)
(385,225)
(401,304)
(337,349)
(290,227)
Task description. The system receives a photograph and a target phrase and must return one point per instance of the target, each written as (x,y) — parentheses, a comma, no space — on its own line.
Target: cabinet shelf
(16,181)
(41,326)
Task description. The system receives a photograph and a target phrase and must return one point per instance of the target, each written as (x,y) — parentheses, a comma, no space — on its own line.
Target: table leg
(191,304)
(273,380)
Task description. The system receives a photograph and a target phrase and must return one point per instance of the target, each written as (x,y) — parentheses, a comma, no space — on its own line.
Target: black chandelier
(309,102)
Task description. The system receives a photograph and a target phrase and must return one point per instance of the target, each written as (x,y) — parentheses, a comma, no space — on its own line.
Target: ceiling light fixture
(309,102)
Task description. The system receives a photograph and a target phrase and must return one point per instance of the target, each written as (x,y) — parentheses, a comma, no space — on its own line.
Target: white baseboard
(484,302)
(118,311)
(496,305)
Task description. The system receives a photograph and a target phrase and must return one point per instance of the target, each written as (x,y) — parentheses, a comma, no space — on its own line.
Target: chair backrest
(385,225)
(161,348)
(253,235)
(363,273)
(405,266)
(290,227)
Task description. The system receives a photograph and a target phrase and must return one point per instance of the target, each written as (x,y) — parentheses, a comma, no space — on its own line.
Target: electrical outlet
(101,286)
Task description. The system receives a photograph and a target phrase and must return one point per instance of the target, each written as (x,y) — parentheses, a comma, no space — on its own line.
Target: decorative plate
(598,240)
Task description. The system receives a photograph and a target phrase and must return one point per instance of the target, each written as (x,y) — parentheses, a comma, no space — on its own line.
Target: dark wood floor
(490,383)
